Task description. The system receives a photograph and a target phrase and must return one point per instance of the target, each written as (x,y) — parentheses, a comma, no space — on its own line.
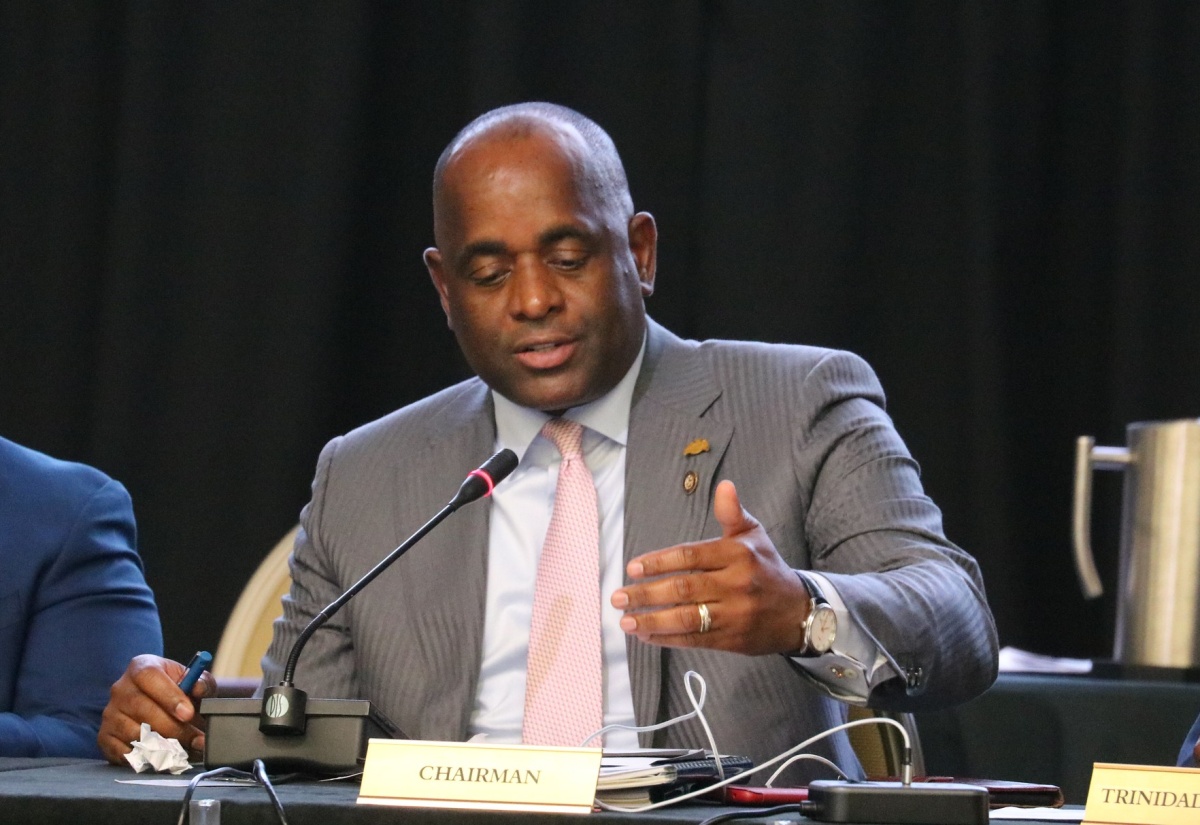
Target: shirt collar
(608,415)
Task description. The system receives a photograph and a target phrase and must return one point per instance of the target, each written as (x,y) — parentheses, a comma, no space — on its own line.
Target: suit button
(913,676)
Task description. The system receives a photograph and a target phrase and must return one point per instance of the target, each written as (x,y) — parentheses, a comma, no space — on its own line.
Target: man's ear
(643,243)
(433,263)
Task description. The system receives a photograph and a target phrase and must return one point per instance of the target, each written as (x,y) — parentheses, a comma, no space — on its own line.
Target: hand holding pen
(162,692)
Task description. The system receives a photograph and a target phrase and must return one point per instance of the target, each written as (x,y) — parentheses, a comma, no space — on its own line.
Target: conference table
(52,791)
(1034,728)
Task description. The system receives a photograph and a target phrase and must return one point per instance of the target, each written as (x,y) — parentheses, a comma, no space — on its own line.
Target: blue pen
(198,665)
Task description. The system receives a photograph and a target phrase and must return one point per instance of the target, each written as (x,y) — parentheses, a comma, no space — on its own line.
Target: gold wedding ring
(705,618)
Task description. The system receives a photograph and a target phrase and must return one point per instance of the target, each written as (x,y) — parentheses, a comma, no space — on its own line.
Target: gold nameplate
(1142,795)
(467,775)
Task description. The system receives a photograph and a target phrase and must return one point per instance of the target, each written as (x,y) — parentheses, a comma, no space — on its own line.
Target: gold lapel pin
(690,482)
(697,446)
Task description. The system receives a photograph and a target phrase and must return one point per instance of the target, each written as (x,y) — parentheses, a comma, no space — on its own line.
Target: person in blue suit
(1189,754)
(74,604)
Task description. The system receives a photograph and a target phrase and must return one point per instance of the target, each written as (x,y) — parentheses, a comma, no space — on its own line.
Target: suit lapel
(674,391)
(457,557)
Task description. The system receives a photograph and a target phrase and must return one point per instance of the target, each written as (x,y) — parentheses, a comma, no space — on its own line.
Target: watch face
(823,630)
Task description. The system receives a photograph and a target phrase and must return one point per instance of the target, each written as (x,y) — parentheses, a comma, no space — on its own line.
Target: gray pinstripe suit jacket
(800,430)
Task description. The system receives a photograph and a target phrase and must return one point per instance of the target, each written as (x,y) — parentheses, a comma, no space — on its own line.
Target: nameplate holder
(417,773)
(1142,795)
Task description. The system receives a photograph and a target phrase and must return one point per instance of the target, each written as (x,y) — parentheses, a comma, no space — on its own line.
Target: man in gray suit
(812,566)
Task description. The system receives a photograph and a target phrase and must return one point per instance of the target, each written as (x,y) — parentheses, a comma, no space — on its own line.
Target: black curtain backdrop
(212,216)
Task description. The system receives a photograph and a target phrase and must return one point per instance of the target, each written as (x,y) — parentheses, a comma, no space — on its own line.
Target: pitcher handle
(1081,521)
(1087,456)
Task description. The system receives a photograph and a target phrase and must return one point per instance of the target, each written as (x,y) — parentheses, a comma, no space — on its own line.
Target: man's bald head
(603,170)
(541,266)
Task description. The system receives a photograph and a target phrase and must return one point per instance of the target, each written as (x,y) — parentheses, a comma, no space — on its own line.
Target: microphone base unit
(334,742)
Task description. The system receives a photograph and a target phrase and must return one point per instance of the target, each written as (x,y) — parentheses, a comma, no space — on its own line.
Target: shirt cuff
(843,671)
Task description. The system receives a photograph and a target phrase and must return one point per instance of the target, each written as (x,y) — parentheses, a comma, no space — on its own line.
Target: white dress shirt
(521,508)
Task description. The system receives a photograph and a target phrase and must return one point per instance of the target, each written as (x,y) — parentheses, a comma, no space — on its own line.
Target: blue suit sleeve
(90,613)
(1187,754)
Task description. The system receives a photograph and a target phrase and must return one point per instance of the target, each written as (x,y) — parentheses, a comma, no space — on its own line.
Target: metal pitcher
(1158,608)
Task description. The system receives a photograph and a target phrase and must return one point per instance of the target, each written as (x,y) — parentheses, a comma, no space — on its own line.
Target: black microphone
(283,705)
(480,483)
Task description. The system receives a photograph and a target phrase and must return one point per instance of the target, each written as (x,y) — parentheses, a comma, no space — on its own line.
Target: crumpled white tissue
(157,752)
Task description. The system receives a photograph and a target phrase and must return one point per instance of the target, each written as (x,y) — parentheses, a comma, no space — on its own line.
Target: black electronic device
(333,743)
(893,803)
(329,736)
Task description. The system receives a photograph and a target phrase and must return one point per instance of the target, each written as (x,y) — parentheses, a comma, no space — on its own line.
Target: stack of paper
(1015,660)
(643,777)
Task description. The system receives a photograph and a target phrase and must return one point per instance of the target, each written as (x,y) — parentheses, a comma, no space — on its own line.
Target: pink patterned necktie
(565,681)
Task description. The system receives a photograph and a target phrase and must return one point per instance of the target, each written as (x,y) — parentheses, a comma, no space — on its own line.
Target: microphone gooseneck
(283,704)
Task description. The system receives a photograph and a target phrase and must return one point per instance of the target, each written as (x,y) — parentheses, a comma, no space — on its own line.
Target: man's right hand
(148,692)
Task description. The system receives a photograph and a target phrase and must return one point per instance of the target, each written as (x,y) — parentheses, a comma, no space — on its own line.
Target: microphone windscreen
(500,466)
(480,481)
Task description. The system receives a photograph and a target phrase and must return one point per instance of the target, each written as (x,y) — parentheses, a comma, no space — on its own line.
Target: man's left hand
(755,602)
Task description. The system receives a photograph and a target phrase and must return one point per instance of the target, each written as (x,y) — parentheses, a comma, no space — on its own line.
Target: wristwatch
(820,627)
